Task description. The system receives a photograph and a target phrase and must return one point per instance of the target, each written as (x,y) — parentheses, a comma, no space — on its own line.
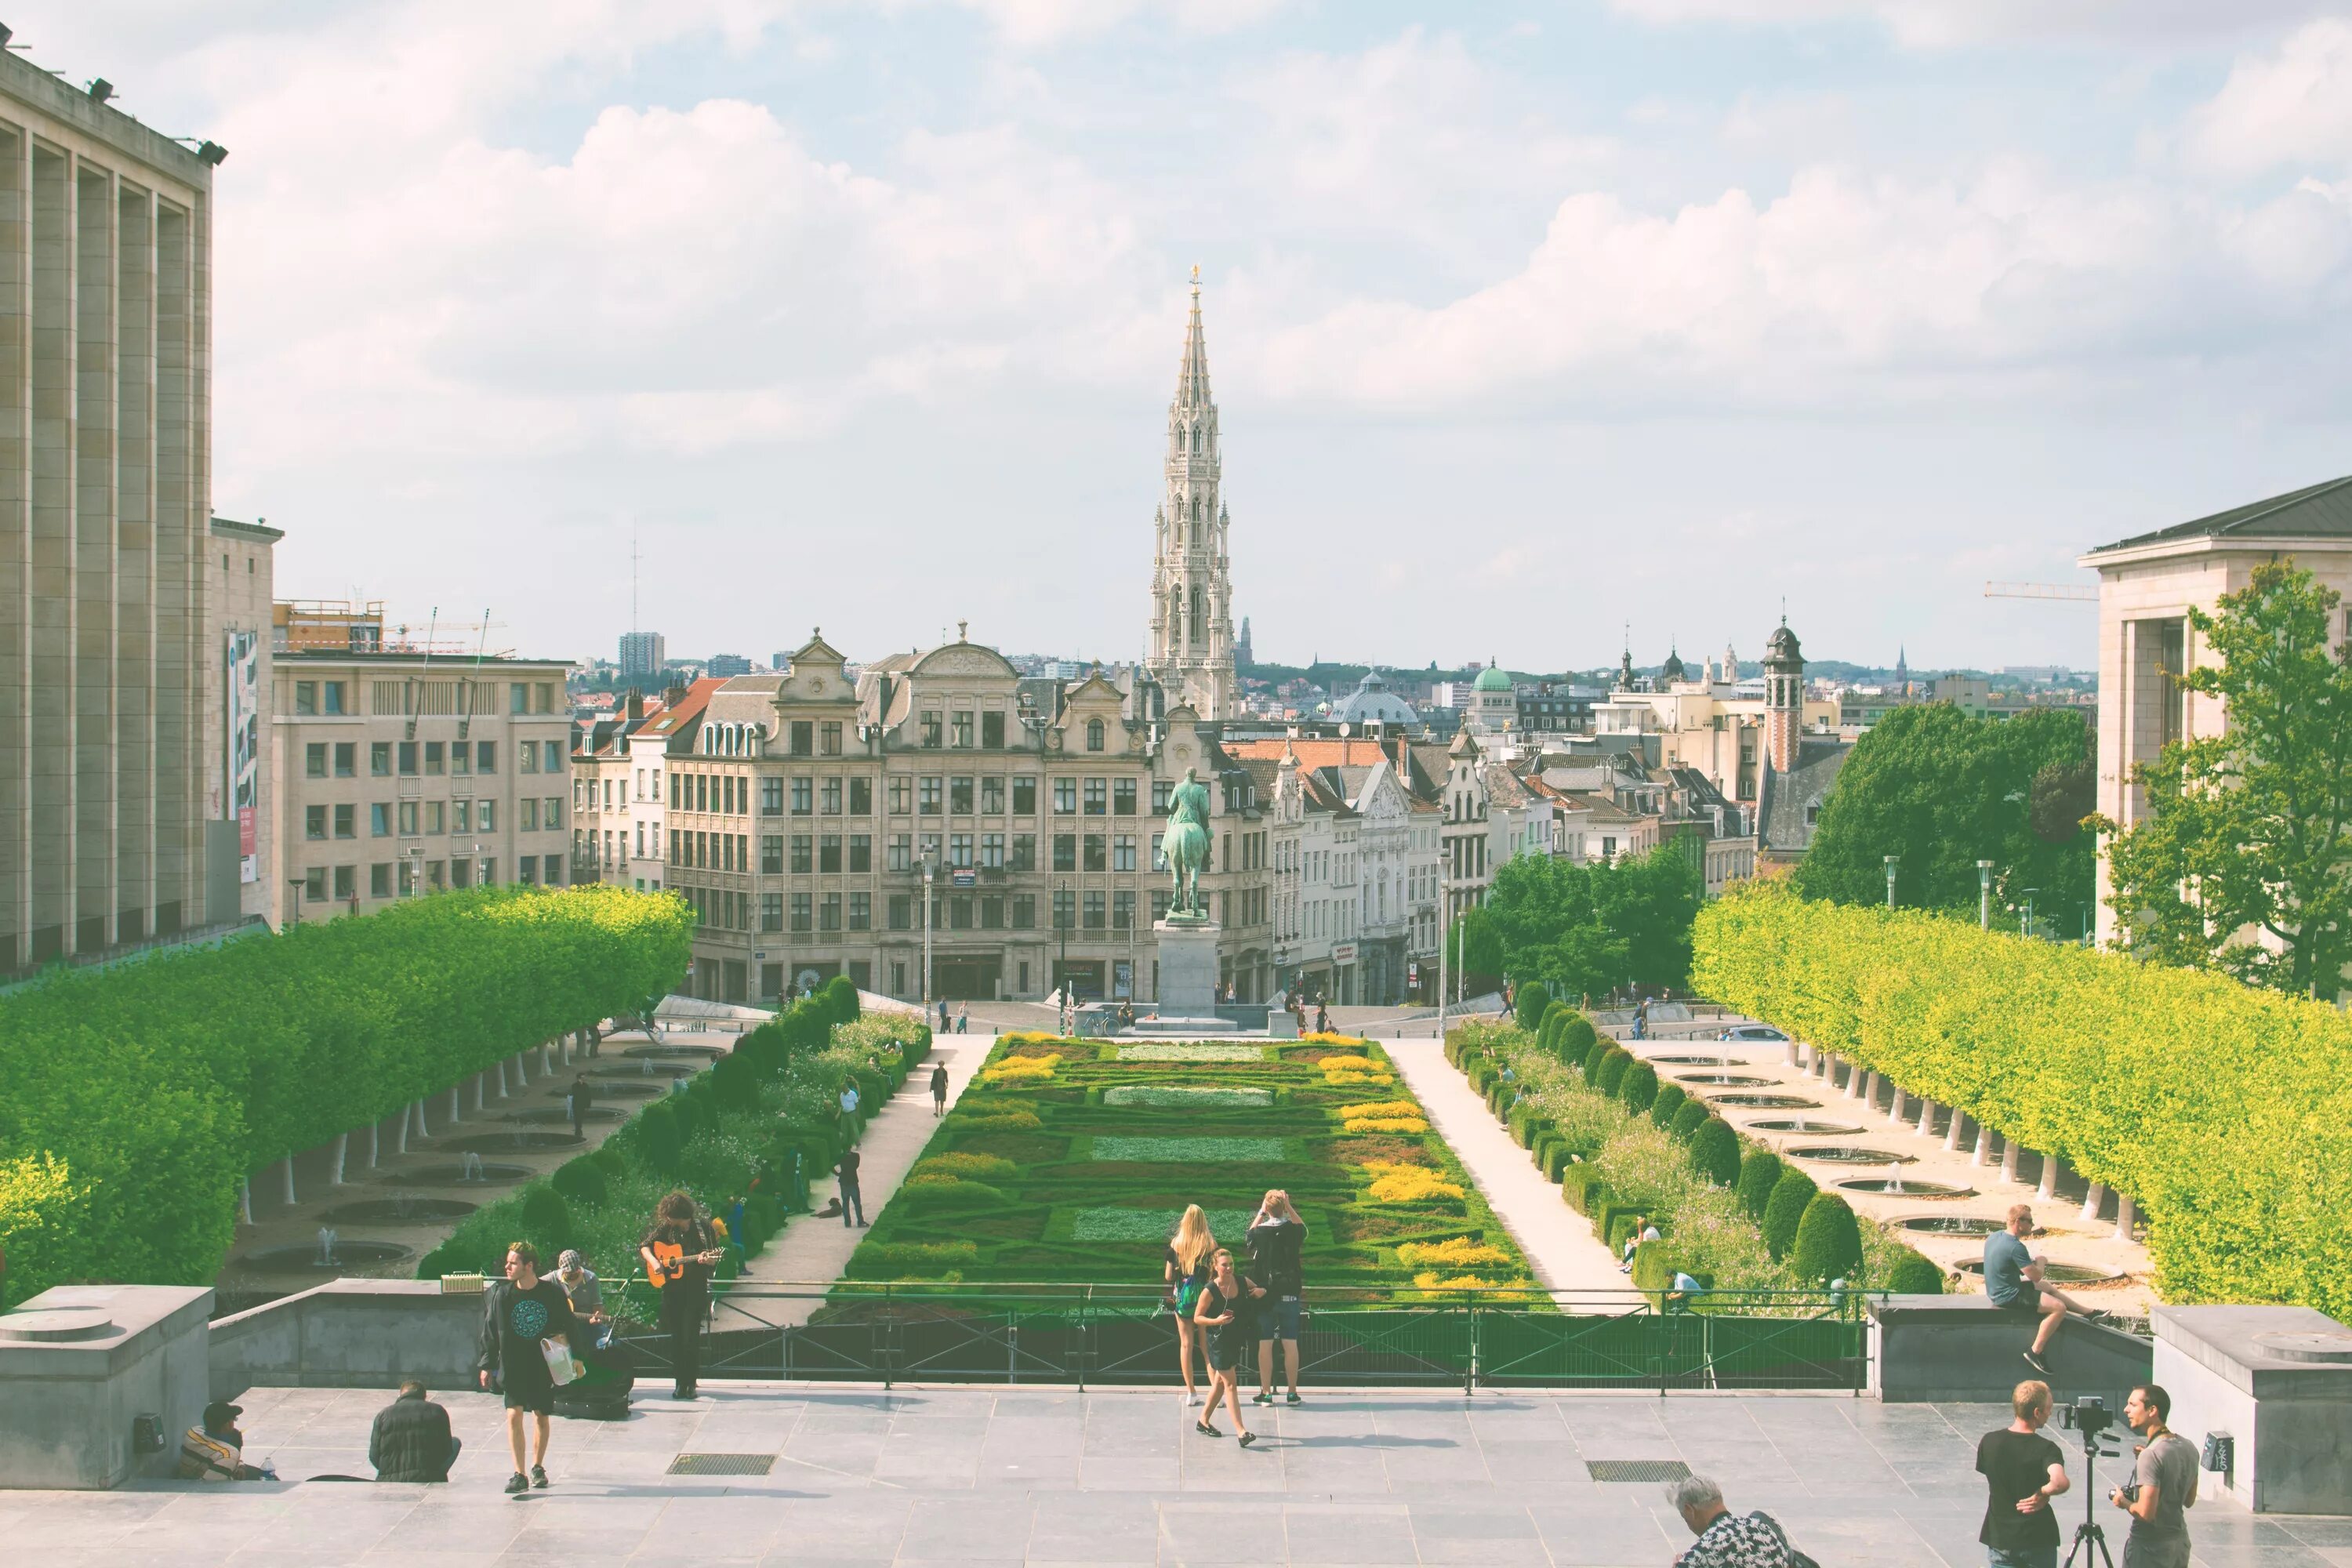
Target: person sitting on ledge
(215,1450)
(2012,1281)
(411,1440)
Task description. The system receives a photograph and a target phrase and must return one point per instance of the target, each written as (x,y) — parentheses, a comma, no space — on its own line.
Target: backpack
(1796,1559)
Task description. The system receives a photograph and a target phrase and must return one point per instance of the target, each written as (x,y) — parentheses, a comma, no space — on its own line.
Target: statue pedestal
(1188,975)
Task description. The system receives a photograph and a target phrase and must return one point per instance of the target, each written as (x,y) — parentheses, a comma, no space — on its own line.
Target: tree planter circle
(1726,1080)
(349,1257)
(1847,1154)
(491,1176)
(1952,1225)
(557,1114)
(673,1048)
(1806,1129)
(515,1142)
(1884,1187)
(1766,1101)
(2054,1273)
(1695,1061)
(615,1088)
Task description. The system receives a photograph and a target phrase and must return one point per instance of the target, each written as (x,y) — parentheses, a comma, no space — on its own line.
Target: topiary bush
(1532,1003)
(1785,1210)
(1714,1151)
(1577,1036)
(1582,1188)
(1669,1103)
(1759,1171)
(1688,1119)
(547,1221)
(1613,1071)
(659,1137)
(1640,1089)
(1912,1273)
(1828,1241)
(840,995)
(1595,1056)
(583,1181)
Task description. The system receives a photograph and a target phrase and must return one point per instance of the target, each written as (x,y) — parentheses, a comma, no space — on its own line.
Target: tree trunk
(2047,1192)
(2008,1152)
(244,1203)
(343,1147)
(1898,1112)
(375,1153)
(1983,1151)
(287,1165)
(2126,1215)
(1927,1128)
(1952,1132)
(2093,1200)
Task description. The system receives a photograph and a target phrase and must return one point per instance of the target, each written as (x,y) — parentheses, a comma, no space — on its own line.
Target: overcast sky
(1526,321)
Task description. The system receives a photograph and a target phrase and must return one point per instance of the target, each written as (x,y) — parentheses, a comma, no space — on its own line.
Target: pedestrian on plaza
(846,1169)
(520,1315)
(939,1090)
(1223,1312)
(2164,1485)
(214,1450)
(1322,1015)
(585,1293)
(1725,1540)
(681,1249)
(580,1100)
(410,1440)
(1278,1241)
(963,1019)
(943,1014)
(2022,1471)
(1184,1271)
(2012,1281)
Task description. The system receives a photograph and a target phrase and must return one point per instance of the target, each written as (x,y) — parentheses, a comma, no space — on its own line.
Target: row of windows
(410,697)
(431,759)
(931,795)
(410,818)
(835,852)
(409,876)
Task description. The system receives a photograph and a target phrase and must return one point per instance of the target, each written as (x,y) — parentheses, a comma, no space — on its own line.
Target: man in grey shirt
(2012,1279)
(2165,1478)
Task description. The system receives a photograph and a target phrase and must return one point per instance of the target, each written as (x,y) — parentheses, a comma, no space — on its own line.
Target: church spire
(1193,375)
(1193,651)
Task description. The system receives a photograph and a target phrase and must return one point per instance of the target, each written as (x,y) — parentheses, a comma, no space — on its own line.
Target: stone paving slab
(971,1476)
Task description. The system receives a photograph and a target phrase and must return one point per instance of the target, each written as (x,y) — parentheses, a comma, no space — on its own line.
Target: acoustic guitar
(673,1259)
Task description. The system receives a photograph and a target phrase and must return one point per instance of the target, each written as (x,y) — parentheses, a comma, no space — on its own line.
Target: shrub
(1692,1115)
(1785,1210)
(1828,1241)
(1669,1100)
(1655,1262)
(840,996)
(1640,1089)
(1553,1155)
(904,1258)
(1911,1274)
(735,1082)
(1532,1003)
(929,1194)
(966,1167)
(1759,1170)
(1595,1056)
(583,1181)
(1577,1036)
(1715,1152)
(547,1221)
(1582,1188)
(659,1136)
(1613,1071)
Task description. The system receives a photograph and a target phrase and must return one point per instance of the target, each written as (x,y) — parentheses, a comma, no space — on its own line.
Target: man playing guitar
(679,1252)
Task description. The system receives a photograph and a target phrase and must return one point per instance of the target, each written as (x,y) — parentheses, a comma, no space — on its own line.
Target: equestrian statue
(1185,842)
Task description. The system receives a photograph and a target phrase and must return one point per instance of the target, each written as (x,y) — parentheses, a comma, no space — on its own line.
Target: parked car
(1752,1032)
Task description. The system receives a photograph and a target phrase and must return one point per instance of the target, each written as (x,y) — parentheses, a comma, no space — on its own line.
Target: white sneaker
(1191,1396)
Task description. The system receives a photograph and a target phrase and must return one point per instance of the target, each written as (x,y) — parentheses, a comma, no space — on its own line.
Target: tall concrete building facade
(643,654)
(107,682)
(1191,577)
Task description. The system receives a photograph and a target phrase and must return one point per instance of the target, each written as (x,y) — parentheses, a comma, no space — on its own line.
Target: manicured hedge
(1785,1210)
(1532,1002)
(2225,1111)
(161,1085)
(1829,1240)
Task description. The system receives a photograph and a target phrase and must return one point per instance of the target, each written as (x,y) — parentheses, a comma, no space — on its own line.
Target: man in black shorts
(517,1315)
(2012,1281)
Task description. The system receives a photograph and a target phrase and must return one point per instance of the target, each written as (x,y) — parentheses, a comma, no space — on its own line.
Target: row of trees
(1587,929)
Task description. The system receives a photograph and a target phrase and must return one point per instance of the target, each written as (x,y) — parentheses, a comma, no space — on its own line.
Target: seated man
(411,1441)
(215,1450)
(2012,1281)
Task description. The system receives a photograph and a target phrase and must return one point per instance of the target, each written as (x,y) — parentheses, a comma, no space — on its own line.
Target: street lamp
(2029,910)
(1891,859)
(296,883)
(1444,907)
(927,934)
(1984,895)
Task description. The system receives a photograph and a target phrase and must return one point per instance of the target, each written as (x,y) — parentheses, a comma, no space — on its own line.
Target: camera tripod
(2088,1533)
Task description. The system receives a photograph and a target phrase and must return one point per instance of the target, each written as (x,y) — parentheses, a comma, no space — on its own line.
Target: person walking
(939,1090)
(582,1099)
(1184,1271)
(1278,1241)
(2164,1485)
(943,1014)
(410,1439)
(1322,1015)
(2022,1471)
(846,1169)
(521,1314)
(963,1019)
(680,1250)
(1224,1309)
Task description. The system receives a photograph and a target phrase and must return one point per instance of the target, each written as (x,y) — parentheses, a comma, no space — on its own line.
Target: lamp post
(927,936)
(1891,859)
(1984,895)
(1444,907)
(2029,910)
(296,917)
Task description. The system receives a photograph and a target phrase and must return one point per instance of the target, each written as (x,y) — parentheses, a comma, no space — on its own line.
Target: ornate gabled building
(1191,582)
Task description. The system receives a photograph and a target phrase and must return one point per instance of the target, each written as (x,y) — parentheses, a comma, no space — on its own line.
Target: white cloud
(2291,106)
(1034,22)
(1943,23)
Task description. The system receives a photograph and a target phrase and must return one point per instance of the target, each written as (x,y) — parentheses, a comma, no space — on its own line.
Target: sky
(1529,323)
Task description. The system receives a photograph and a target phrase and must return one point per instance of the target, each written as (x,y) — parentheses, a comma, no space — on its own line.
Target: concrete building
(2147,586)
(643,654)
(1714,722)
(1192,633)
(618,813)
(726,664)
(240,763)
(405,770)
(109,689)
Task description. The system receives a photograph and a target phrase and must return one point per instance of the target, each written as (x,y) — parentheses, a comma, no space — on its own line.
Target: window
(828,912)
(1024,797)
(408,759)
(1122,853)
(315,885)
(347,821)
(930,741)
(1160,792)
(1094,734)
(959,731)
(486,760)
(1066,908)
(928,794)
(960,797)
(552,818)
(929,847)
(1096,799)
(1024,852)
(828,853)
(330,692)
(433,764)
(801,853)
(861,798)
(1122,797)
(901,852)
(315,759)
(517,698)
(960,914)
(461,761)
(1066,852)
(486,820)
(553,876)
(346,759)
(960,849)
(306,697)
(772,797)
(902,795)
(407,819)
(771,854)
(991,851)
(1095,859)
(552,750)
(528,806)
(861,912)
(1093,921)
(831,796)
(1159,905)
(461,873)
(992,731)
(1122,910)
(1025,911)
(992,795)
(803,919)
(861,852)
(803,796)
(314,822)
(1066,797)
(804,738)
(992,913)
(380,759)
(829,733)
(527,751)
(380,879)
(901,912)
(1159,861)
(380,820)
(526,873)
(544,693)
(771,912)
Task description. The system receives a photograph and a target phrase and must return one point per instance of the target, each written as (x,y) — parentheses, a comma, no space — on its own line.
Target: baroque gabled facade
(1191,582)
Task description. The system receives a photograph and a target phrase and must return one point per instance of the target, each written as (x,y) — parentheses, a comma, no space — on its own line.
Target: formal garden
(1068,1161)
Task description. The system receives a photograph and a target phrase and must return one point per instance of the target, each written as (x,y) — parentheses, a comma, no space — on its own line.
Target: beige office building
(107,680)
(402,772)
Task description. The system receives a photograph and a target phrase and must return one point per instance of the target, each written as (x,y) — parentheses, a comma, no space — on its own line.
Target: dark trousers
(850,1200)
(682,1312)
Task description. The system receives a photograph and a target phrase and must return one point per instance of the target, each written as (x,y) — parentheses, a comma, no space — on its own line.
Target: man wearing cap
(215,1450)
(586,1294)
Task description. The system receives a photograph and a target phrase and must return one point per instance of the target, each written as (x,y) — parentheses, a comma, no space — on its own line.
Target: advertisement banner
(244,686)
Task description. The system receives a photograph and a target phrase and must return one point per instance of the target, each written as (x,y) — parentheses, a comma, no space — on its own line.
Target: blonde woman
(1184,1272)
(1224,1312)
(1276,1238)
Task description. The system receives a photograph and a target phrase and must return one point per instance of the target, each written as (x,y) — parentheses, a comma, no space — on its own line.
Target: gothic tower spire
(1192,586)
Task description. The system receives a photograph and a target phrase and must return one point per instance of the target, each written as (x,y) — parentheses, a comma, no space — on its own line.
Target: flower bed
(1105,1153)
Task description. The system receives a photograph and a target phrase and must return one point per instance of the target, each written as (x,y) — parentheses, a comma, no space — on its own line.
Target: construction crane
(2074,591)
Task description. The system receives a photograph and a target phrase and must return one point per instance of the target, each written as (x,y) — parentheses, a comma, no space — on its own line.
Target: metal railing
(1093,1335)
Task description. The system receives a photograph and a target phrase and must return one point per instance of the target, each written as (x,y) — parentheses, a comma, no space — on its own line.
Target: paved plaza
(1003,1475)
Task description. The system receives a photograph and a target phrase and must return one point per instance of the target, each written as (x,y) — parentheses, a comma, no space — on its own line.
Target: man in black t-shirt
(2022,1471)
(517,1315)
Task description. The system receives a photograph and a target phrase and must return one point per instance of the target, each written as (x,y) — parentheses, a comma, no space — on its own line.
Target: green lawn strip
(1122,1141)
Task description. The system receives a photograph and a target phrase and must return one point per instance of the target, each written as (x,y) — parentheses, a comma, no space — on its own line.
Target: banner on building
(243,686)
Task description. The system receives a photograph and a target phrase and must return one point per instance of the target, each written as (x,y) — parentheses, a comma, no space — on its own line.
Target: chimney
(674,696)
(636,708)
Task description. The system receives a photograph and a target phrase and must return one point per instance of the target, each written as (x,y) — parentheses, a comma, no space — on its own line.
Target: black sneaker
(538,1477)
(2036,1364)
(1294,1398)
(518,1484)
(1247,1438)
(1262,1396)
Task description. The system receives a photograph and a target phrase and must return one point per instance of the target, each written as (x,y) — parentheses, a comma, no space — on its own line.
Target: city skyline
(1611,312)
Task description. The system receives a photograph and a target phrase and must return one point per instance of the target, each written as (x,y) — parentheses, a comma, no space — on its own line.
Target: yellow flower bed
(1412,1184)
(1379,1108)
(1002,1119)
(1347,1072)
(1020,1069)
(1384,1124)
(1328,1038)
(1461,1252)
(1432,1280)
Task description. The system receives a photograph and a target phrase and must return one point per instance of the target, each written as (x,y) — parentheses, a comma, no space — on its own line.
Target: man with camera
(2012,1281)
(2022,1471)
(2163,1485)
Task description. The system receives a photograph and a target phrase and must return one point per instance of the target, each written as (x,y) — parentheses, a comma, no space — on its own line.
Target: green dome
(1491,679)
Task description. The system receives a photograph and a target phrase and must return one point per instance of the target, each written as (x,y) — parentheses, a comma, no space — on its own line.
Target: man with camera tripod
(2164,1484)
